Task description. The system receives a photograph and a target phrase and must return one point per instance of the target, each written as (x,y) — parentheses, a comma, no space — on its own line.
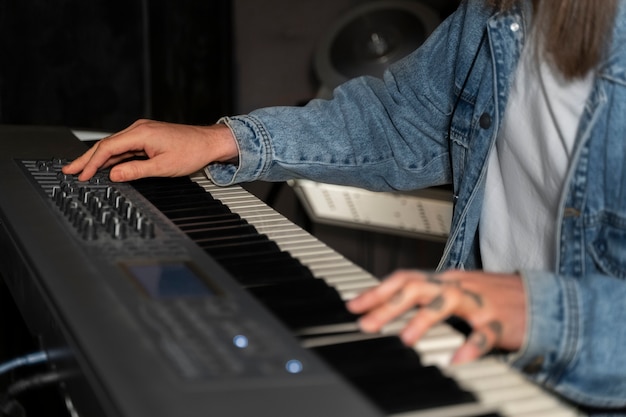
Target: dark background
(101,64)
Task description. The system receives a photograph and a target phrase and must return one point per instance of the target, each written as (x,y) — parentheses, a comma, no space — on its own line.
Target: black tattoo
(478,299)
(496,328)
(434,279)
(480,340)
(437,303)
(397,297)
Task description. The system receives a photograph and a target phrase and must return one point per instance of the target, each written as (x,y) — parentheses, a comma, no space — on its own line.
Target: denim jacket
(432,120)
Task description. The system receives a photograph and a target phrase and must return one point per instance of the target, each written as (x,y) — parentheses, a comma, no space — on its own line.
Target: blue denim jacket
(432,120)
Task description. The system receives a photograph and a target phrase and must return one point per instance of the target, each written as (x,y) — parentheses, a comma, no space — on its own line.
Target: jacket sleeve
(573,345)
(380,134)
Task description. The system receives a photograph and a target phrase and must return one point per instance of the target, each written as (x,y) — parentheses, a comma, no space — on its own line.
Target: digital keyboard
(177,297)
(497,388)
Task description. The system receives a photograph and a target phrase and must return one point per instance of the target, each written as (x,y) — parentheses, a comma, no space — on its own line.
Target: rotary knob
(88,228)
(117,228)
(44,166)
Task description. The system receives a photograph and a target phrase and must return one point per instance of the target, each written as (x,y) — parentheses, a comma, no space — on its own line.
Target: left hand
(494,305)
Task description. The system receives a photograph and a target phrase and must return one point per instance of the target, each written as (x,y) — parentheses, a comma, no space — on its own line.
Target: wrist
(222,143)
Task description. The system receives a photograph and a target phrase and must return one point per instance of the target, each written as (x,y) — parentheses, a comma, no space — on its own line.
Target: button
(485,121)
(571,212)
(294,366)
(534,366)
(514,27)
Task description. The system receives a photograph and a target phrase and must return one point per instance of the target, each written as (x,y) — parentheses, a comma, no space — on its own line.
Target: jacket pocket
(608,249)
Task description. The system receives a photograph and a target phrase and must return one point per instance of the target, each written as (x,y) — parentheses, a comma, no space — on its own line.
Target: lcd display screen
(169,280)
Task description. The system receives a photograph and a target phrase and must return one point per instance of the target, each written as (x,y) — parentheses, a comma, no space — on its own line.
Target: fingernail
(463,355)
(367,325)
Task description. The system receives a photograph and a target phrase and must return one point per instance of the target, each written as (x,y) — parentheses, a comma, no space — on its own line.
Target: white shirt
(527,167)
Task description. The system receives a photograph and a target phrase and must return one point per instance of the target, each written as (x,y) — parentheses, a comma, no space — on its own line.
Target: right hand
(172,149)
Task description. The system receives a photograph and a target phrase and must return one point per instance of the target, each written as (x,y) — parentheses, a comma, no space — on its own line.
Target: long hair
(574,34)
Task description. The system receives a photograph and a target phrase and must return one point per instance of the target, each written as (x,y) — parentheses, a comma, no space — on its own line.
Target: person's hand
(494,305)
(172,150)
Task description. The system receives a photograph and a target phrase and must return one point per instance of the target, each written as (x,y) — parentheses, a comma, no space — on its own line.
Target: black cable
(38,381)
(30,359)
(10,407)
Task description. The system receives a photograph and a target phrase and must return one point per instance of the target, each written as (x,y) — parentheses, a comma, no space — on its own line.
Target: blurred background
(101,64)
(98,65)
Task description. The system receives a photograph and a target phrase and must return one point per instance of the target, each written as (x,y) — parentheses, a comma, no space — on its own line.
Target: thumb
(132,170)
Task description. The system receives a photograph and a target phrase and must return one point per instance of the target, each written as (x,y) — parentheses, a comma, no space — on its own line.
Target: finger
(378,295)
(480,342)
(412,290)
(132,170)
(378,317)
(106,152)
(79,163)
(432,313)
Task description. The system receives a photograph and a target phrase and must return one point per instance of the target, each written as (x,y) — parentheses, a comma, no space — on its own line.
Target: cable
(11,407)
(30,359)
(38,381)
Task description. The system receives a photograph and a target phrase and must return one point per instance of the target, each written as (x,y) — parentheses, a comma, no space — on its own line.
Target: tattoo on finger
(480,341)
(477,298)
(434,279)
(436,304)
(496,328)
(397,297)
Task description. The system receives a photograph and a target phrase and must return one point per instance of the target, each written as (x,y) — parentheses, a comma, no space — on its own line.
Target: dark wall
(104,63)
(191,50)
(275,44)
(101,64)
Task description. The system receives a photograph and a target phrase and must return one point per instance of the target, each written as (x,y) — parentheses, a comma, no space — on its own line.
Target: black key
(208,226)
(203,219)
(392,376)
(185,212)
(234,230)
(250,245)
(304,303)
(254,270)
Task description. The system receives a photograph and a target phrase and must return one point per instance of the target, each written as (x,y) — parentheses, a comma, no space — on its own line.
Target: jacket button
(485,121)
(534,366)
